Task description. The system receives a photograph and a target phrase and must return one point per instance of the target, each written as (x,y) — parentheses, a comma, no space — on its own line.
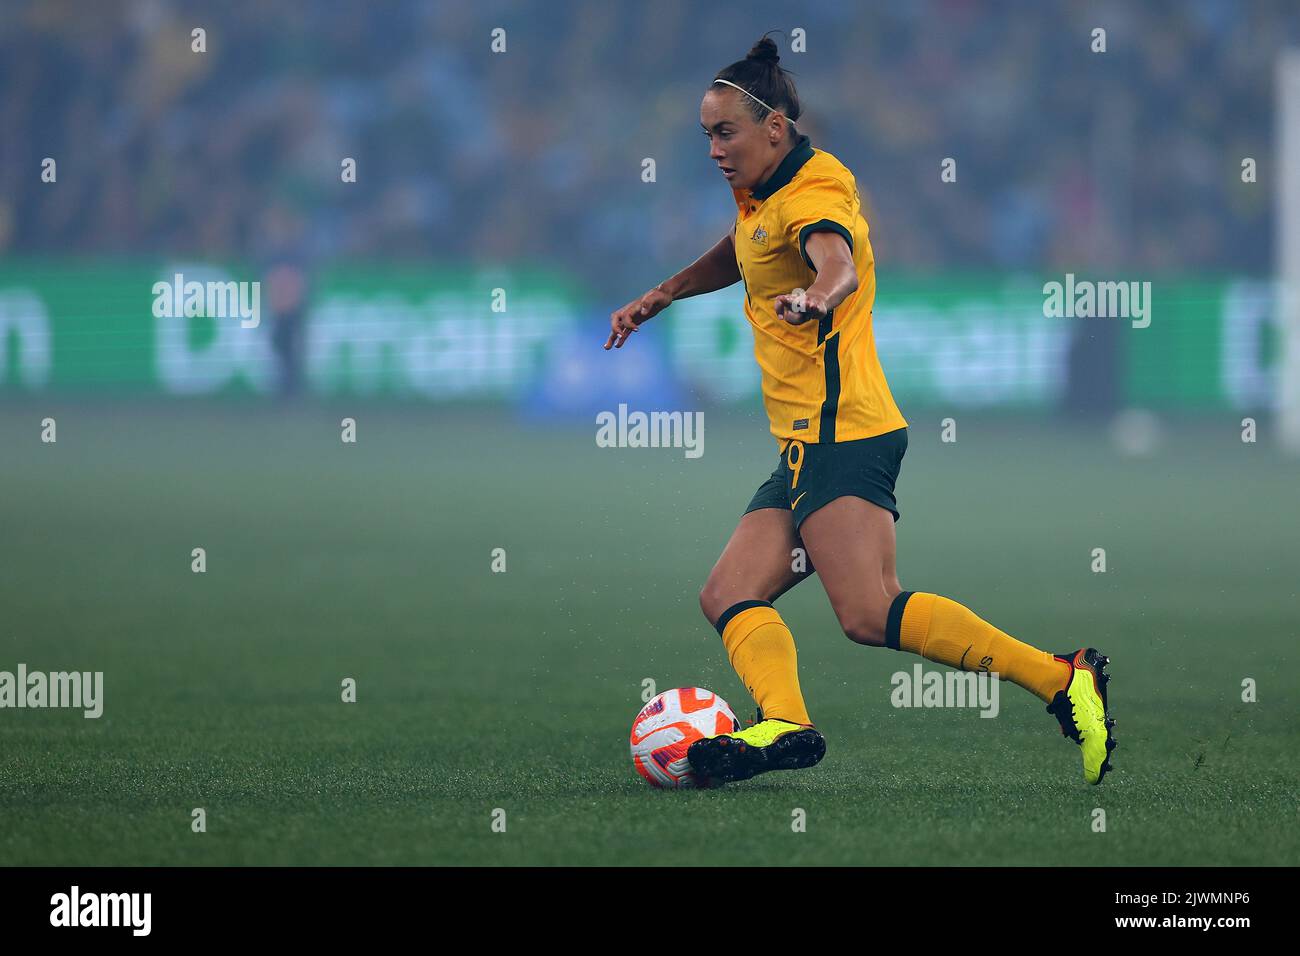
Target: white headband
(754,98)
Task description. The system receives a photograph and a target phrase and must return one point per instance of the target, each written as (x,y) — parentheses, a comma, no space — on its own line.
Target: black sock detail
(894,623)
(735,609)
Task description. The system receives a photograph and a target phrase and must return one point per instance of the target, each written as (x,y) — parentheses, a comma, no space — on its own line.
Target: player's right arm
(714,270)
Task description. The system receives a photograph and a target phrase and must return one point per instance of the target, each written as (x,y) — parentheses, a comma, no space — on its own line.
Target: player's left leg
(852,543)
(855,540)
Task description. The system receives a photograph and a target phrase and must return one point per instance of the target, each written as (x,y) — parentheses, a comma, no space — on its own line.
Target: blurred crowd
(1065,157)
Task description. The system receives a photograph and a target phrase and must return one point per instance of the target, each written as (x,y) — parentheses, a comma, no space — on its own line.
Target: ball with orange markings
(668,725)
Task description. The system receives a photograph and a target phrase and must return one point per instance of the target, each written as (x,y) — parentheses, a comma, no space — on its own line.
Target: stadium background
(522,171)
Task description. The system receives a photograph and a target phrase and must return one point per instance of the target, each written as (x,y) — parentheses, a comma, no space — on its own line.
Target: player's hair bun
(764,85)
(765,51)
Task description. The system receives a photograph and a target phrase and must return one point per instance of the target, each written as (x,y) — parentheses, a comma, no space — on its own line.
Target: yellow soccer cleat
(1081,709)
(770,744)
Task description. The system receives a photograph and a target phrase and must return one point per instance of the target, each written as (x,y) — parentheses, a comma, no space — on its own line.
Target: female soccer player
(800,246)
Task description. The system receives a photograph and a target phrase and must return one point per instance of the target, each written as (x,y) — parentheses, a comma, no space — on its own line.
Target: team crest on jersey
(759,236)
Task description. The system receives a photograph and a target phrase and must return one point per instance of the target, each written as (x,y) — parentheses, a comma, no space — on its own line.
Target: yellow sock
(761,649)
(949,633)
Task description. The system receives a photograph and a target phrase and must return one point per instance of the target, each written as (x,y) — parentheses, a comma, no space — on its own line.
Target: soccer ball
(668,725)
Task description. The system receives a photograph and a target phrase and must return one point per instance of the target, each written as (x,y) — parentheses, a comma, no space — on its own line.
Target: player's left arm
(819,224)
(837,279)
(837,276)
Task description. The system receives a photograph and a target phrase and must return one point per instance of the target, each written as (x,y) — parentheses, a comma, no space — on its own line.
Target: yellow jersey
(822,381)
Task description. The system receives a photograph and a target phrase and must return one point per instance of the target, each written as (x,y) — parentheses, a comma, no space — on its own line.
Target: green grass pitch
(479,691)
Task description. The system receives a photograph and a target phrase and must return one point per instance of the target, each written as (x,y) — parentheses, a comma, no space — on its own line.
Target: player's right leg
(758,563)
(761,562)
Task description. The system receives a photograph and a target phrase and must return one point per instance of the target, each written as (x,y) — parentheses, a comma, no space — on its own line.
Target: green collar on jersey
(793,162)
